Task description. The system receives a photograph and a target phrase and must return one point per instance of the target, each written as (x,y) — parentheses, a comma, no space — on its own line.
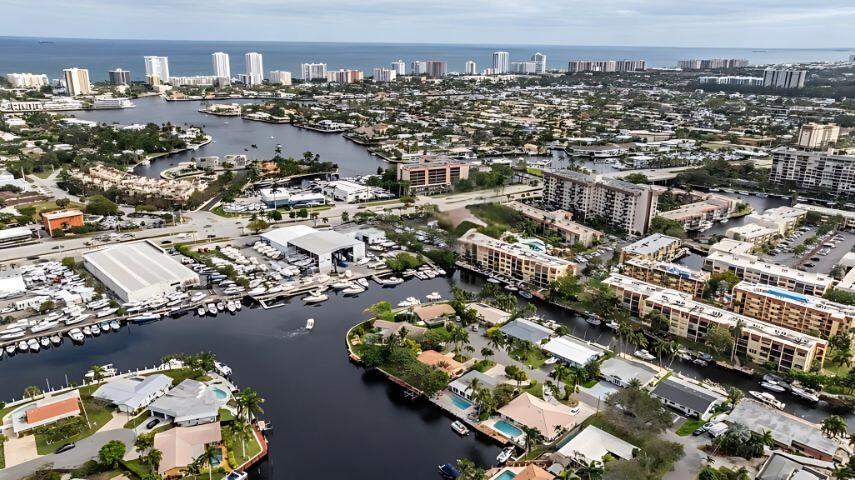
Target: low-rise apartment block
(61,220)
(752,233)
(760,342)
(512,261)
(825,213)
(560,222)
(729,245)
(784,219)
(669,275)
(796,311)
(752,269)
(654,247)
(617,203)
(433,176)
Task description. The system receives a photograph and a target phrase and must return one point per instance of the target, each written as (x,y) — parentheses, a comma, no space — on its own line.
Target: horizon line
(417,43)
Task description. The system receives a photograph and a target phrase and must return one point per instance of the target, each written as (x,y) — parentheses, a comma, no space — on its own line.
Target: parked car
(153,423)
(65,447)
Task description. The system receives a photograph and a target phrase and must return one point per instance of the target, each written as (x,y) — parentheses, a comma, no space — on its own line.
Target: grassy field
(178,375)
(689,426)
(242,451)
(138,420)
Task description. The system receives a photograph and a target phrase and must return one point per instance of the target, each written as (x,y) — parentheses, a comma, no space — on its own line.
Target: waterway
(233,135)
(323,407)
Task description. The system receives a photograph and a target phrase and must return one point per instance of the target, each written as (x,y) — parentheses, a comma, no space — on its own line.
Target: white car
(551,361)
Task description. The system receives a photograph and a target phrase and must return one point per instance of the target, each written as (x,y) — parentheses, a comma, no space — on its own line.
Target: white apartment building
(784,219)
(471,68)
(501,62)
(732,80)
(418,67)
(525,68)
(784,78)
(826,213)
(813,171)
(157,69)
(197,80)
(313,71)
(559,221)
(222,69)
(344,76)
(539,60)
(437,68)
(577,66)
(119,77)
(280,77)
(254,68)
(817,135)
(752,233)
(751,269)
(399,67)
(384,75)
(77,81)
(512,261)
(621,204)
(27,80)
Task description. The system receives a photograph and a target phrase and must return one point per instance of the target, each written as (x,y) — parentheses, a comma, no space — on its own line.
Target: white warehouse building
(138,271)
(326,247)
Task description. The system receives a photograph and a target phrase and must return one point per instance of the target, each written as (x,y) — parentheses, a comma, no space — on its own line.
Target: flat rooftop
(785,428)
(478,238)
(651,244)
(809,301)
(133,266)
(669,268)
(751,262)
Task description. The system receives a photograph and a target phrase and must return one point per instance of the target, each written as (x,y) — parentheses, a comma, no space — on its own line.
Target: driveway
(85,450)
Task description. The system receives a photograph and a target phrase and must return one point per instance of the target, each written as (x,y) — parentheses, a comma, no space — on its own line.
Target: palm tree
(208,456)
(496,339)
(736,331)
(834,426)
(97,372)
(532,437)
(589,470)
(249,403)
(242,430)
(32,391)
(486,352)
(153,458)
(766,438)
(143,443)
(734,395)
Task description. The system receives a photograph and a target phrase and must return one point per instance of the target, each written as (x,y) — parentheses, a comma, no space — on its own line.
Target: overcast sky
(710,23)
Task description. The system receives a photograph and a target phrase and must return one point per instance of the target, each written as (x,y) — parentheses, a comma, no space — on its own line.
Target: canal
(233,135)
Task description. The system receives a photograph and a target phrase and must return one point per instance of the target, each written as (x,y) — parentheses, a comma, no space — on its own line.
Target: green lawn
(534,171)
(536,390)
(483,365)
(178,375)
(241,454)
(689,426)
(98,413)
(535,358)
(226,415)
(138,420)
(138,468)
(2,457)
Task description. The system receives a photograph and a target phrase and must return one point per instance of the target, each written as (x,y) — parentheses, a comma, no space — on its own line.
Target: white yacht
(433,296)
(315,296)
(409,302)
(310,324)
(804,393)
(33,345)
(75,335)
(768,399)
(773,386)
(353,290)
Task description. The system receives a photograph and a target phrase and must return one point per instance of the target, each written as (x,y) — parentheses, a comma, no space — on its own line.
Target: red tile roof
(53,410)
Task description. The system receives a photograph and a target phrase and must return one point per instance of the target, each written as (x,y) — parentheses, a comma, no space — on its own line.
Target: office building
(512,261)
(524,68)
(61,220)
(654,247)
(578,66)
(760,341)
(784,78)
(344,76)
(399,67)
(732,80)
(471,68)
(222,69)
(418,67)
(27,80)
(433,176)
(621,204)
(539,60)
(816,135)
(712,63)
(138,271)
(254,68)
(77,81)
(157,69)
(437,68)
(119,77)
(796,311)
(384,75)
(813,171)
(751,269)
(668,275)
(313,71)
(501,62)
(280,77)
(559,222)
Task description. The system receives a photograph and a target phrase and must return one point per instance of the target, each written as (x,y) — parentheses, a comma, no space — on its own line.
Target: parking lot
(820,257)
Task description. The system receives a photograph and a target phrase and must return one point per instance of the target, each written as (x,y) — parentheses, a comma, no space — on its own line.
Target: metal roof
(134,266)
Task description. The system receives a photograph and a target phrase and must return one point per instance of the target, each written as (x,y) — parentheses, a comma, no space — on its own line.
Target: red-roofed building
(45,411)
(62,408)
(62,220)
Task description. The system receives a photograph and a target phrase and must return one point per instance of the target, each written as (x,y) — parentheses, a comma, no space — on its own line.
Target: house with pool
(463,385)
(528,472)
(529,411)
(191,403)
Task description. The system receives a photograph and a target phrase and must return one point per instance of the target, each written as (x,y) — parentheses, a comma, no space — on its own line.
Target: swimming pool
(460,403)
(219,393)
(507,429)
(506,475)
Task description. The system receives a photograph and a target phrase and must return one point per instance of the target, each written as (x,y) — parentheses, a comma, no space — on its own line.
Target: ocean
(51,55)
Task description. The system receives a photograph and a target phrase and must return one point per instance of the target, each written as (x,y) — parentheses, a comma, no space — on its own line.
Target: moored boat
(310,324)
(768,399)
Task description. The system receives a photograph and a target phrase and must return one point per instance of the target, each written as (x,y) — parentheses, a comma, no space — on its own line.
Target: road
(85,450)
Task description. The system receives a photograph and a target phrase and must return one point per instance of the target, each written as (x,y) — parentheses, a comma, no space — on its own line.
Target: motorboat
(362,282)
(613,325)
(106,312)
(212,308)
(448,471)
(10,349)
(105,327)
(315,296)
(115,325)
(409,302)
(87,331)
(511,288)
(773,386)
(44,342)
(525,294)
(222,369)
(33,345)
(238,304)
(594,320)
(494,280)
(107,370)
(230,306)
(768,399)
(353,290)
(221,306)
(23,346)
(75,335)
(392,281)
(12,335)
(310,324)
(460,428)
(804,393)
(95,305)
(505,455)
(341,285)
(43,326)
(433,296)
(198,296)
(644,355)
(201,311)
(145,318)
(95,329)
